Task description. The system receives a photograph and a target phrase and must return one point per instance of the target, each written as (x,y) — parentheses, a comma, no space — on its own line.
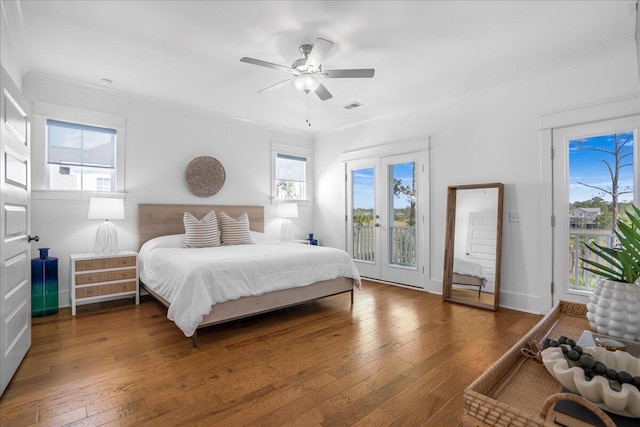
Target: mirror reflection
(473,245)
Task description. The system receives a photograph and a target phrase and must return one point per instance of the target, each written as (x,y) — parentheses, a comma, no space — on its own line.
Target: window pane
(62,177)
(76,144)
(601,188)
(290,168)
(402,215)
(363,194)
(65,177)
(80,157)
(290,176)
(64,145)
(98,149)
(290,190)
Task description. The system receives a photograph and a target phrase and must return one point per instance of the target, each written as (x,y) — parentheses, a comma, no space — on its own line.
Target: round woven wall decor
(205,176)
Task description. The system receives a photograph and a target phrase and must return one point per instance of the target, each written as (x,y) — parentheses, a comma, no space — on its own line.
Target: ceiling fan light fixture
(306,83)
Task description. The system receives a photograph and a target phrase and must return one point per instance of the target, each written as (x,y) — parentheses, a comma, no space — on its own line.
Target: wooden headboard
(156,220)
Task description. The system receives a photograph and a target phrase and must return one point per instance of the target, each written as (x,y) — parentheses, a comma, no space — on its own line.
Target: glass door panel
(594,182)
(402,214)
(362,220)
(364,248)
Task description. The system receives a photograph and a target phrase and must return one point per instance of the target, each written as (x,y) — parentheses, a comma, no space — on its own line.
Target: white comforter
(470,268)
(192,280)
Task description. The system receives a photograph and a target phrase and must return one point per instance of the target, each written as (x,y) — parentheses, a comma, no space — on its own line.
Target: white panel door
(15,274)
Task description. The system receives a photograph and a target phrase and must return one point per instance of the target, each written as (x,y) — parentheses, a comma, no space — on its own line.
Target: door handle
(30,238)
(377,225)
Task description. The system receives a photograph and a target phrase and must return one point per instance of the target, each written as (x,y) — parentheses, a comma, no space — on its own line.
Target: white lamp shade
(106,208)
(288,210)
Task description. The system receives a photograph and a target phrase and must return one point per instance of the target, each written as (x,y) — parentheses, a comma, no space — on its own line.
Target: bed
(196,289)
(469,273)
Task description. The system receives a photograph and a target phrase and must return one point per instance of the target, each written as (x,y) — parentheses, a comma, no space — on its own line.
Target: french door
(386,209)
(595,178)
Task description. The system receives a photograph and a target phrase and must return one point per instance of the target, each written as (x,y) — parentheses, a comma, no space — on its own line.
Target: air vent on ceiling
(354,104)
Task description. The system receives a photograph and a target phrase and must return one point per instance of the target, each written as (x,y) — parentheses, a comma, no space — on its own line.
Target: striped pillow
(235,231)
(202,233)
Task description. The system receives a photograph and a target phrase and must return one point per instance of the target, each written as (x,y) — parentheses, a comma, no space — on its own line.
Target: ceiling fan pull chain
(308,110)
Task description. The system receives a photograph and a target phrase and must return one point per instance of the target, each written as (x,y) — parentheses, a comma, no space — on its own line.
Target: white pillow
(203,233)
(235,231)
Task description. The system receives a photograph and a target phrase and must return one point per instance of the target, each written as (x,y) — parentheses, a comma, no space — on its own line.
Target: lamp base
(106,239)
(286,230)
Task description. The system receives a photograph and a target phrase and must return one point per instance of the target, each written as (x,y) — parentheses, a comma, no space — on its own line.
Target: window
(291,173)
(76,152)
(290,177)
(80,157)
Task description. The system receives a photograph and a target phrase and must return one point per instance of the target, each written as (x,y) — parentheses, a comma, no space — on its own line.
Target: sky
(363,185)
(587,166)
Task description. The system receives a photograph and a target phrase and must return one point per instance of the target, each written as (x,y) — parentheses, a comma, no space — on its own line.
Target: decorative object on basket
(606,378)
(614,307)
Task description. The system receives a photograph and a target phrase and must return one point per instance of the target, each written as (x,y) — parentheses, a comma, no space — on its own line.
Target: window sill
(69,195)
(300,202)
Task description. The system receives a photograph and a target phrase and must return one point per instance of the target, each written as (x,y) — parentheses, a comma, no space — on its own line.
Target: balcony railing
(402,245)
(579,278)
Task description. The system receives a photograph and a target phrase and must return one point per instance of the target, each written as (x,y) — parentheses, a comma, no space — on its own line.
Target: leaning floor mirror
(473,245)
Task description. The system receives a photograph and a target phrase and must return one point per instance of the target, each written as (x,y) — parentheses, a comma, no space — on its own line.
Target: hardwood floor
(396,357)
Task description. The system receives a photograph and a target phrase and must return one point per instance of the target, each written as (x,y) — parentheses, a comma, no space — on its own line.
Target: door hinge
(423,167)
(423,269)
(552,153)
(553,220)
(552,288)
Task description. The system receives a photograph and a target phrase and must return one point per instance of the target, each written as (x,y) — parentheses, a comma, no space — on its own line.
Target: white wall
(161,139)
(11,40)
(488,137)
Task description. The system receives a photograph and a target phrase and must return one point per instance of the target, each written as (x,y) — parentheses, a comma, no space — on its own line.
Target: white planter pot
(614,309)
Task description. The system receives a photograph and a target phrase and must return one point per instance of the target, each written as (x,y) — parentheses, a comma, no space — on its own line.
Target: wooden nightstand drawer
(96,278)
(105,276)
(105,263)
(106,289)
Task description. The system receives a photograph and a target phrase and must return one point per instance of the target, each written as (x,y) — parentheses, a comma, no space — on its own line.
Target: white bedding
(193,280)
(469,268)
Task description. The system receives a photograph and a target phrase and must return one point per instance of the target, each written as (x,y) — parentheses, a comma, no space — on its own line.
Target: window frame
(42,113)
(294,151)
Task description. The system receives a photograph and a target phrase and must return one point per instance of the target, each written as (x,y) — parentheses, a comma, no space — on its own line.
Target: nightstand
(103,277)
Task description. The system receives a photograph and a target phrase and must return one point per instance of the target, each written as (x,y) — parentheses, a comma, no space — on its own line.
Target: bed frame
(156,220)
(464,279)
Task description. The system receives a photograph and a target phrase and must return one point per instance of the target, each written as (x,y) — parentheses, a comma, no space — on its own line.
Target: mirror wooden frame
(447,278)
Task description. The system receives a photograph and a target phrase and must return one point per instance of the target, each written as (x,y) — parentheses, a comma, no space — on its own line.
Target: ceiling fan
(307,71)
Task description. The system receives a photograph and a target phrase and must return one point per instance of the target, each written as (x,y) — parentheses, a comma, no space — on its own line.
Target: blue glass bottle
(44,284)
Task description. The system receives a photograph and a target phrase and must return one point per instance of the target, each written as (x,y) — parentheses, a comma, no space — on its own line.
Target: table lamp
(107,236)
(286,211)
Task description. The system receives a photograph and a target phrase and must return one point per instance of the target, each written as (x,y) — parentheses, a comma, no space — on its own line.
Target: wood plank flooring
(397,357)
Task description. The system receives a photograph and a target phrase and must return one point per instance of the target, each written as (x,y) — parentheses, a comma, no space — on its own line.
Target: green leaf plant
(621,263)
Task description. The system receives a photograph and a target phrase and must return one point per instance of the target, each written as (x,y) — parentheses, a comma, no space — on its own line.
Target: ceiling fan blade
(267,64)
(320,49)
(341,74)
(274,87)
(323,93)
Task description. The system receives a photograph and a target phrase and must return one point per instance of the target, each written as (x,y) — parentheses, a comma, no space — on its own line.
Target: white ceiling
(424,52)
